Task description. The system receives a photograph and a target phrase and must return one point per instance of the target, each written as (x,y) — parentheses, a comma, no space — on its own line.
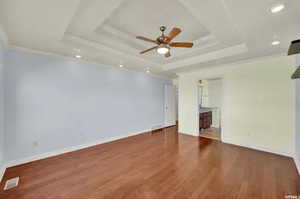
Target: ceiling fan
(163,42)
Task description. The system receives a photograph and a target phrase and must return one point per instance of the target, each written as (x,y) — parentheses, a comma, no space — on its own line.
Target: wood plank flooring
(211,133)
(152,166)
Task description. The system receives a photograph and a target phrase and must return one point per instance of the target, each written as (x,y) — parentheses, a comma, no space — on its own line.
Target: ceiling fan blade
(181,44)
(168,54)
(174,32)
(148,50)
(146,39)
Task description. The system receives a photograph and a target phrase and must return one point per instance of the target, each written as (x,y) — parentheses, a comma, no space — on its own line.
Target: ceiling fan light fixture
(163,42)
(162,49)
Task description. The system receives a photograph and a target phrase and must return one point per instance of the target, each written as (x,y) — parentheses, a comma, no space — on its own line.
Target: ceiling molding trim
(72,58)
(70,18)
(48,53)
(122,34)
(110,50)
(194,13)
(113,9)
(232,64)
(208,38)
(226,52)
(192,50)
(3,36)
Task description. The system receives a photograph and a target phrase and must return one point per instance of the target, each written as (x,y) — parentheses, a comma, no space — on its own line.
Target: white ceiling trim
(70,17)
(232,65)
(207,38)
(121,34)
(83,59)
(191,50)
(227,52)
(117,5)
(213,26)
(110,50)
(199,44)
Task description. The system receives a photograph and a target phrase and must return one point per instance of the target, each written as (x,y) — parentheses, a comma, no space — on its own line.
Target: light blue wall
(54,102)
(298,112)
(1,105)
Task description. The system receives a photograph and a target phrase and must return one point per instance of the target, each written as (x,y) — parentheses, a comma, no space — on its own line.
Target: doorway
(170,105)
(210,106)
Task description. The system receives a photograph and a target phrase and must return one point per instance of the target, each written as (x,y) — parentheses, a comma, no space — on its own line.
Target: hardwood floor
(212,133)
(161,165)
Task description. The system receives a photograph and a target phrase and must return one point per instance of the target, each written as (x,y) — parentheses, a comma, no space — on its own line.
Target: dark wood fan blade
(146,39)
(168,54)
(181,44)
(174,32)
(148,50)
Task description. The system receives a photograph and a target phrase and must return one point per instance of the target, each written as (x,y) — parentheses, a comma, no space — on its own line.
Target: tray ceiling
(104,31)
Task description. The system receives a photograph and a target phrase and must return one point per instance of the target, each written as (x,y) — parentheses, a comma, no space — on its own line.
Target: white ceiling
(223,31)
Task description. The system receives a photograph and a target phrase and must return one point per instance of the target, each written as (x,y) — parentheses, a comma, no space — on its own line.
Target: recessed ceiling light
(275,43)
(78,56)
(277,8)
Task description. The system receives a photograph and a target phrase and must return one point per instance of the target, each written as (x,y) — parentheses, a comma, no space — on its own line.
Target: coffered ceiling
(102,31)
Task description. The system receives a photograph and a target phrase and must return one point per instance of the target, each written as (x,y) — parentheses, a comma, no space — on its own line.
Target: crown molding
(233,64)
(110,50)
(71,58)
(123,35)
(226,52)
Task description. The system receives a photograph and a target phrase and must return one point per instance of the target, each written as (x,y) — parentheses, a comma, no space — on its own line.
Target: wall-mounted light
(294,47)
(296,74)
(78,56)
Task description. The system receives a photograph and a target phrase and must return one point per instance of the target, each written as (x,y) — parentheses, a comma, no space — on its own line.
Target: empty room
(140,99)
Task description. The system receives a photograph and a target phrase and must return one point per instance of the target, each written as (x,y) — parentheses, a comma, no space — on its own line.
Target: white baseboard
(261,149)
(189,134)
(2,171)
(69,149)
(297,162)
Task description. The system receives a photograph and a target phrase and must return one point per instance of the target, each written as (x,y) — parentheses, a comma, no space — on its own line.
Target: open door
(170,105)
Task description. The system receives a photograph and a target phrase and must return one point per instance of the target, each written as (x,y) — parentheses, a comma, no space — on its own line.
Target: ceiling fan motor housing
(162,39)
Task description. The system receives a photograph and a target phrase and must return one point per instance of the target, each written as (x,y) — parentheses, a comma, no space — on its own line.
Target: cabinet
(205,120)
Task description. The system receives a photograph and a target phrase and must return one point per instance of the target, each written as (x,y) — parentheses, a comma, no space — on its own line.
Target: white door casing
(170,105)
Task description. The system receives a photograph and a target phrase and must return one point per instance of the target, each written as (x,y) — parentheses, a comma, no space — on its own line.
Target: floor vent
(11,183)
